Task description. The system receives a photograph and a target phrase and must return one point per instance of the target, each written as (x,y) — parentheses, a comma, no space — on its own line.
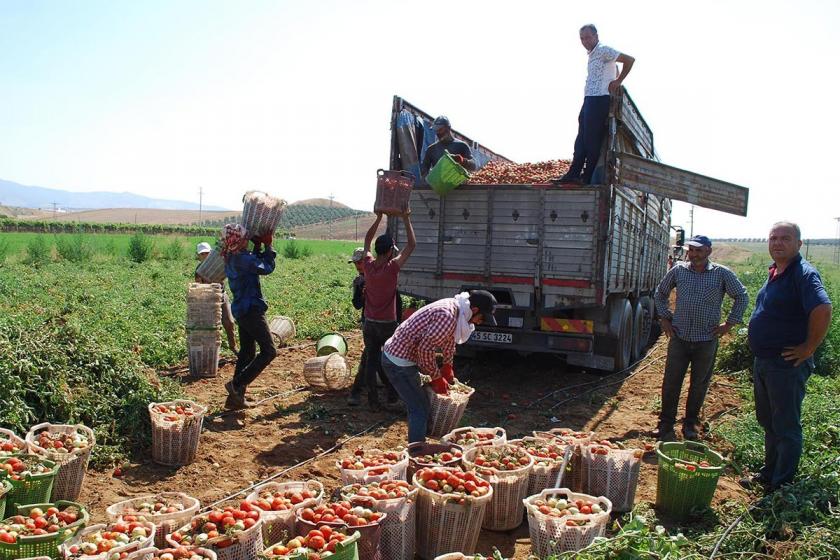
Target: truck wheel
(647,329)
(621,328)
(638,344)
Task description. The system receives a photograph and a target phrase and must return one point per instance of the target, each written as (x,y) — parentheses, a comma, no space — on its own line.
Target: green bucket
(446,175)
(330,343)
(682,485)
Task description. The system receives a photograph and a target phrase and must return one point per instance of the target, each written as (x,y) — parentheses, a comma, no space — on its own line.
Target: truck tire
(621,330)
(647,336)
(638,344)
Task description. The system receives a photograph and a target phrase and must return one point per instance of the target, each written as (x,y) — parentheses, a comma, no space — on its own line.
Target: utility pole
(837,243)
(200,204)
(357,227)
(332,196)
(55,209)
(691,217)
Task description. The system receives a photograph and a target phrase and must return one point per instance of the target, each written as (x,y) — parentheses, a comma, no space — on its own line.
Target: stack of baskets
(165,522)
(613,474)
(175,441)
(552,535)
(72,464)
(261,213)
(212,269)
(204,318)
(446,411)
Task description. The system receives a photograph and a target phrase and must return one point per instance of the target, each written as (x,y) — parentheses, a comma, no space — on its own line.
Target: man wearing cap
(693,329)
(602,79)
(358,287)
(202,251)
(446,143)
(380,309)
(411,351)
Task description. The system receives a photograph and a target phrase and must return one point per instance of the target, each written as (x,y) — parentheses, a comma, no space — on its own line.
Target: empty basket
(261,213)
(327,373)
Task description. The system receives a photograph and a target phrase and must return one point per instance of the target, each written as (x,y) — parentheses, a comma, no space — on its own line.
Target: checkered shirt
(699,297)
(430,328)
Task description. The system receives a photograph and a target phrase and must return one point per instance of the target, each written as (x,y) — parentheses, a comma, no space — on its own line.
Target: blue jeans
(592,127)
(779,389)
(406,380)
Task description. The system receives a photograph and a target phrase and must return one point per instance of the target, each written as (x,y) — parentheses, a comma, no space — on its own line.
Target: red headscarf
(234,239)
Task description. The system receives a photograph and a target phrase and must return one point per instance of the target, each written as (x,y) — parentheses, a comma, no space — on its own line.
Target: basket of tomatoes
(279,501)
(577,439)
(370,465)
(179,553)
(612,471)
(397,498)
(459,556)
(344,515)
(31,478)
(232,532)
(11,443)
(324,542)
(167,510)
(468,437)
(451,505)
(446,410)
(687,477)
(112,541)
(39,529)
(550,460)
(176,429)
(70,447)
(422,455)
(560,520)
(507,468)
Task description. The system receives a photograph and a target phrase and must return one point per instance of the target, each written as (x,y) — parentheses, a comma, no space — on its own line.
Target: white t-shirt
(602,70)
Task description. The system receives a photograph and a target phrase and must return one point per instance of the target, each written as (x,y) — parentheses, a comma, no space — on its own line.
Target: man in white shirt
(602,80)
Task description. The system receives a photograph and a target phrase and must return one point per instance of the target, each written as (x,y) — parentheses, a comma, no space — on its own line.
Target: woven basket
(614,475)
(212,269)
(327,373)
(72,466)
(79,537)
(149,553)
(204,306)
(418,449)
(43,545)
(459,556)
(261,213)
(550,474)
(34,489)
(399,530)
(393,191)
(165,522)
(551,535)
(203,348)
(280,525)
(500,436)
(574,468)
(176,443)
(444,524)
(446,411)
(282,328)
(396,471)
(248,543)
(8,436)
(504,512)
(370,536)
(348,549)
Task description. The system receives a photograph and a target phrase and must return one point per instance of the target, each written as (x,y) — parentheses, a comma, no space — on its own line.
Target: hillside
(348,229)
(142,216)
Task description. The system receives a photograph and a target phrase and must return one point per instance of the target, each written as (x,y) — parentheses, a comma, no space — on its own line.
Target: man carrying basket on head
(202,251)
(411,351)
(243,269)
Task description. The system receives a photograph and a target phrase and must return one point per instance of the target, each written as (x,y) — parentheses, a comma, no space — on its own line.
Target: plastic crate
(34,489)
(43,545)
(681,490)
(393,191)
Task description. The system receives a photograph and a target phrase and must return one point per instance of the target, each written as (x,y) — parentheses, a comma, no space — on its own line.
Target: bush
(293,250)
(140,248)
(173,251)
(38,251)
(74,248)
(4,250)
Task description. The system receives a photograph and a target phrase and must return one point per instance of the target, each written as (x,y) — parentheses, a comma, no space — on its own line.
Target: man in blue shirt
(791,318)
(694,328)
(243,269)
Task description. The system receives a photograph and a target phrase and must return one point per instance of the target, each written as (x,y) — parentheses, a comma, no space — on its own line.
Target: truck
(573,267)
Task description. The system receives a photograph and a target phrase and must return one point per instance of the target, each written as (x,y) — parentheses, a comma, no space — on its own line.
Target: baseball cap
(441,121)
(486,303)
(383,244)
(700,241)
(358,254)
(203,247)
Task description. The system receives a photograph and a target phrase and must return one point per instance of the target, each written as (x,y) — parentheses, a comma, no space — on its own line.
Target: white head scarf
(463,329)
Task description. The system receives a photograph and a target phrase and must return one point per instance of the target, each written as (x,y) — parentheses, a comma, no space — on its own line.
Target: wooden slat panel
(631,117)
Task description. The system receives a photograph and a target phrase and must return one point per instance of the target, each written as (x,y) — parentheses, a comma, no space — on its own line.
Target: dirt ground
(240,449)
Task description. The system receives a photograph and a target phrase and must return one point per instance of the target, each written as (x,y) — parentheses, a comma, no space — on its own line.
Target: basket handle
(402,172)
(696,446)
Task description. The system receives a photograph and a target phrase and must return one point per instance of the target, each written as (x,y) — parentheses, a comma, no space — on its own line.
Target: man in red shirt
(380,310)
(411,351)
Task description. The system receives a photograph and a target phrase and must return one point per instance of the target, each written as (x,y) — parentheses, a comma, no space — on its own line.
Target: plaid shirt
(430,328)
(699,297)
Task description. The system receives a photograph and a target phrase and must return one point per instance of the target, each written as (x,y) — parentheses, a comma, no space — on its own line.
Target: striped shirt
(699,297)
(430,328)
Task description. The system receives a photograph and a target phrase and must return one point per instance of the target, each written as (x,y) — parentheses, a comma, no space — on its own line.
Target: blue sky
(294,98)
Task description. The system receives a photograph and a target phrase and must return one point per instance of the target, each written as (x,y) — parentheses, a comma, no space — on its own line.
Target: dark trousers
(592,127)
(779,389)
(406,380)
(253,331)
(359,382)
(375,335)
(701,357)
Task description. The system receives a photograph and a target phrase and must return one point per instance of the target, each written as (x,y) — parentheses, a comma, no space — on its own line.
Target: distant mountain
(319,202)
(14,194)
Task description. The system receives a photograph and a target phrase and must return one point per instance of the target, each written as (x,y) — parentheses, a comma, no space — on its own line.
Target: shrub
(140,248)
(38,251)
(4,250)
(74,248)
(173,251)
(293,250)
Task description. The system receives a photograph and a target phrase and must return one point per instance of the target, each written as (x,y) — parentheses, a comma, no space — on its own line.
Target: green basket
(35,489)
(680,491)
(5,488)
(446,175)
(43,545)
(347,550)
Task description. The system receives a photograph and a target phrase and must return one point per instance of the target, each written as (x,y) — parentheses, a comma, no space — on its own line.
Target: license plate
(496,337)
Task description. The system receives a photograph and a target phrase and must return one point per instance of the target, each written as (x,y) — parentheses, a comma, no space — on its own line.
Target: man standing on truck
(693,329)
(791,318)
(602,79)
(380,309)
(446,143)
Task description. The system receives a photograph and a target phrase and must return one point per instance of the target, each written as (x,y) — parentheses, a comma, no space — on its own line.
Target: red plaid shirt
(430,328)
